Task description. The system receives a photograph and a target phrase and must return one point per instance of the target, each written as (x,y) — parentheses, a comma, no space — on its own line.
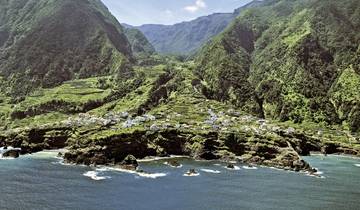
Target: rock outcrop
(104,146)
(12,153)
(124,148)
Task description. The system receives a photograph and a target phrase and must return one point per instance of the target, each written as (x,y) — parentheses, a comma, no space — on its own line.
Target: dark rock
(191,172)
(208,155)
(11,154)
(330,148)
(174,163)
(230,166)
(99,159)
(301,165)
(129,163)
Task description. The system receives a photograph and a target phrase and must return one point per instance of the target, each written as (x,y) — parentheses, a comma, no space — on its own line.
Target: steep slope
(139,43)
(187,37)
(289,60)
(44,43)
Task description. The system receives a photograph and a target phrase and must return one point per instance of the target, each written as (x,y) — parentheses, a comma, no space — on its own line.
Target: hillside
(44,43)
(138,41)
(289,60)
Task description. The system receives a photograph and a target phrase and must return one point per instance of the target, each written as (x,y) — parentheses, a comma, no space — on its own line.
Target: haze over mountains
(188,37)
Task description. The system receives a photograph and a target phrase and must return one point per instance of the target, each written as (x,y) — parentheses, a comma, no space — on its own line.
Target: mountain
(138,41)
(46,42)
(289,60)
(187,37)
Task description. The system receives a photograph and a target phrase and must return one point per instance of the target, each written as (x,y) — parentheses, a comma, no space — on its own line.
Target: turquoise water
(41,182)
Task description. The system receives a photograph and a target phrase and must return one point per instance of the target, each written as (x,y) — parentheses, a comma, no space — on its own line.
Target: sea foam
(210,171)
(152,175)
(168,164)
(151,159)
(250,167)
(6,158)
(196,174)
(236,168)
(94,175)
(140,174)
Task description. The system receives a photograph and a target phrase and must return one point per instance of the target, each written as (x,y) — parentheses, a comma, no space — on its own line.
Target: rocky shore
(104,146)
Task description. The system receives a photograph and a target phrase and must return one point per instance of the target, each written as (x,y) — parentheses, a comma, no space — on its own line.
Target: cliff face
(46,42)
(289,60)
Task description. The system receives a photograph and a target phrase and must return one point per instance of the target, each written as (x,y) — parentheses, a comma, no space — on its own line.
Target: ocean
(41,181)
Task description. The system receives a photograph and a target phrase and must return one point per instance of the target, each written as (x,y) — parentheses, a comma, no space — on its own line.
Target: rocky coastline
(102,146)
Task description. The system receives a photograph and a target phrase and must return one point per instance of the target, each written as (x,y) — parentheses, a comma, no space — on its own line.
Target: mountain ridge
(188,36)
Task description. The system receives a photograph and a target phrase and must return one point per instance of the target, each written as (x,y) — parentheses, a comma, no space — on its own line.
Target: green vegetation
(289,60)
(58,41)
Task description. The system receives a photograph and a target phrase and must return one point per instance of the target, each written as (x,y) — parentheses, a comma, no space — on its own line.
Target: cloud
(199,4)
(169,13)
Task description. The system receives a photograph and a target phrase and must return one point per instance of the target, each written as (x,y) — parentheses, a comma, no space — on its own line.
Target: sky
(138,12)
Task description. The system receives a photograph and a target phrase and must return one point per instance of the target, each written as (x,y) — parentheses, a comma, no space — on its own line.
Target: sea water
(41,181)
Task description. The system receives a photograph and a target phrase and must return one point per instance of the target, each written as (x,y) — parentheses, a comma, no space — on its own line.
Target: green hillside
(44,43)
(289,60)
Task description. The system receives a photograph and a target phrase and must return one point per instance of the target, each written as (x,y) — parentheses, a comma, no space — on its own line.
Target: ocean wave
(63,163)
(274,168)
(167,163)
(103,169)
(140,174)
(6,158)
(236,168)
(357,165)
(196,174)
(151,159)
(210,171)
(44,154)
(94,175)
(152,175)
(250,167)
(318,172)
(2,149)
(316,175)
